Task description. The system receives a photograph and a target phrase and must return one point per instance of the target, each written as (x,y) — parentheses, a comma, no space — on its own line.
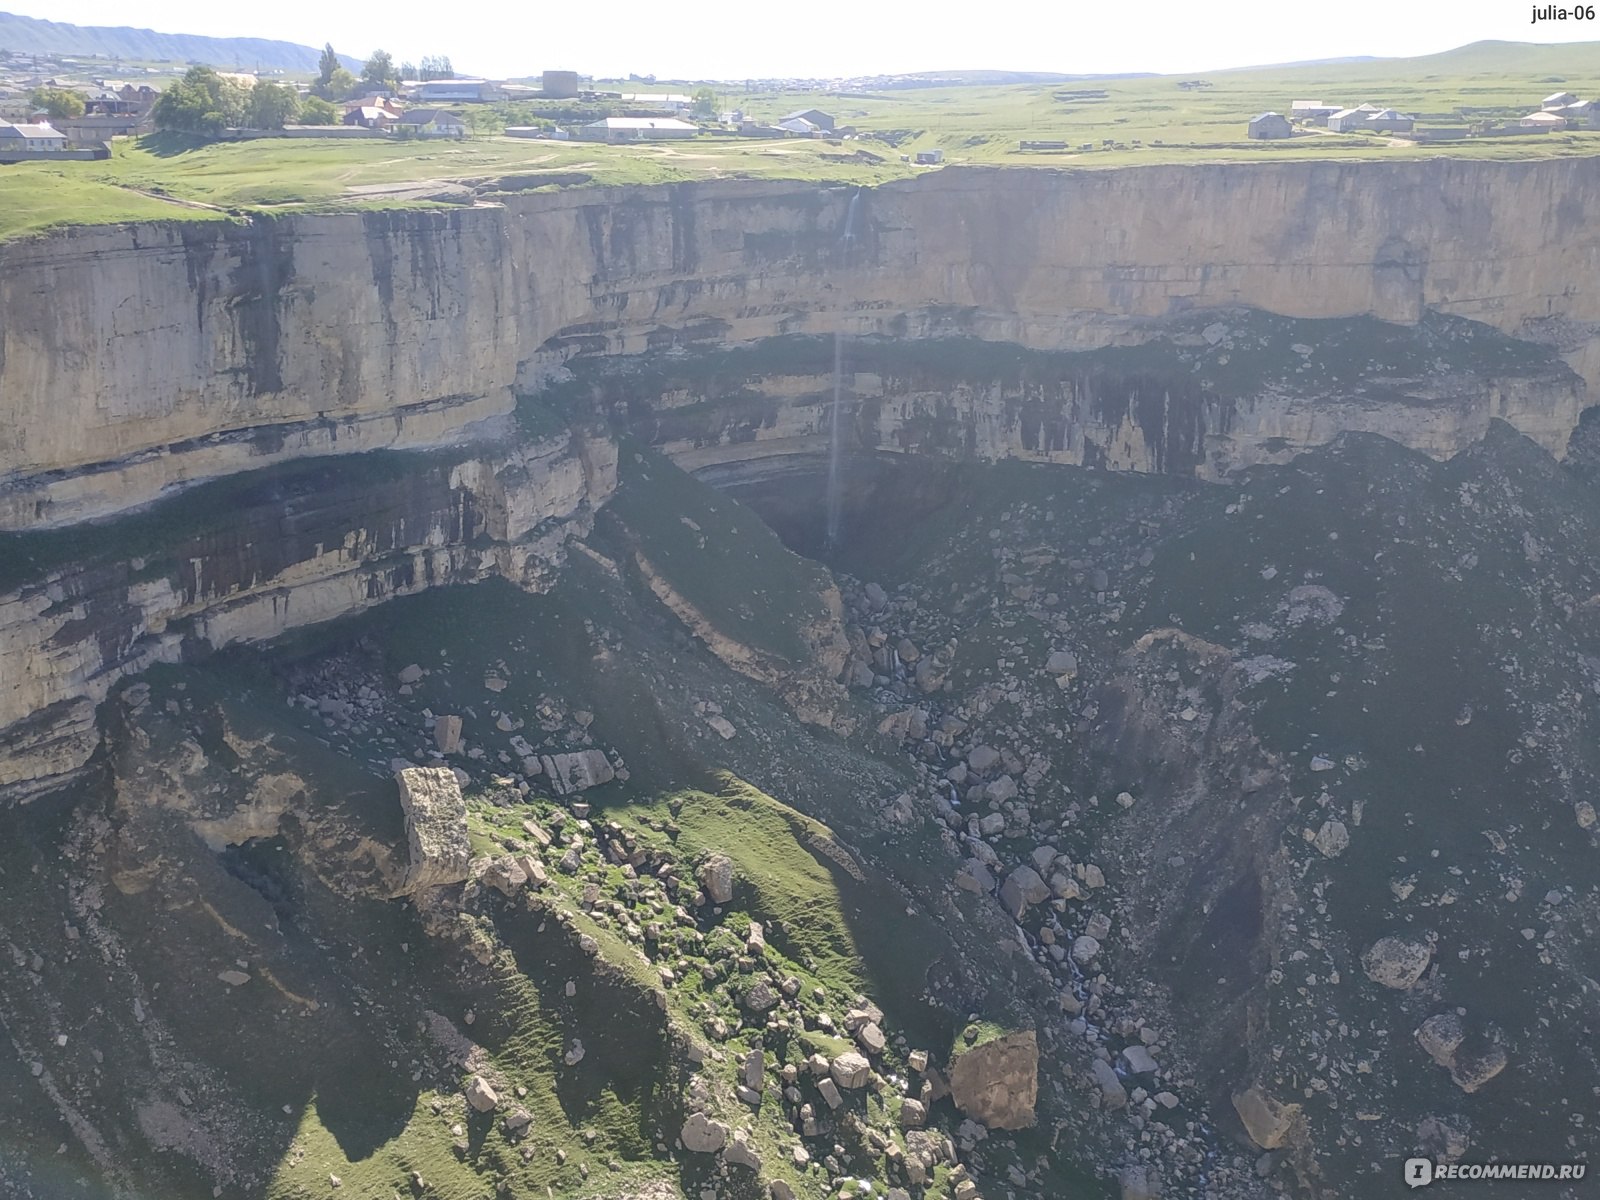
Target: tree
(201,102)
(437,66)
(379,71)
(314,110)
(705,102)
(60,103)
(481,120)
(409,71)
(337,86)
(327,65)
(273,105)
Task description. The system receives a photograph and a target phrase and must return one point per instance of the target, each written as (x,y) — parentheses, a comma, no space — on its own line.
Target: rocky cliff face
(271,553)
(136,358)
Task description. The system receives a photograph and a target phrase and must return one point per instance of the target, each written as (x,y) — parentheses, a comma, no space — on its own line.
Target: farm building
(1314,112)
(815,116)
(1270,125)
(1348,120)
(454,91)
(1390,121)
(929,158)
(636,129)
(1558,100)
(1544,121)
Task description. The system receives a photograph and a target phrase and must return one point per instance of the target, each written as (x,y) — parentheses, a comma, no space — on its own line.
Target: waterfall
(835,497)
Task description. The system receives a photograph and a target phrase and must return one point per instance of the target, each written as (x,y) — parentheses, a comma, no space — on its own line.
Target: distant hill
(29,35)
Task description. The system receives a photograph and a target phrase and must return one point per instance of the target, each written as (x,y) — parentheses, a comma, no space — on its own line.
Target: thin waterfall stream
(835,499)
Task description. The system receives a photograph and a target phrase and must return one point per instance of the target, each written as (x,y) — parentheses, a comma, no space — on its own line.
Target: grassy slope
(971,124)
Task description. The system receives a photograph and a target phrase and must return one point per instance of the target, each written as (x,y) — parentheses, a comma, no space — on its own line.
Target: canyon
(1163,764)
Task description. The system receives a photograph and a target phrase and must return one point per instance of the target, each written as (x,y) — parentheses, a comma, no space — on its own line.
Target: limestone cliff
(277,552)
(139,357)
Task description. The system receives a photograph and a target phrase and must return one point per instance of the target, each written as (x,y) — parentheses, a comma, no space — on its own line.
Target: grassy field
(1151,119)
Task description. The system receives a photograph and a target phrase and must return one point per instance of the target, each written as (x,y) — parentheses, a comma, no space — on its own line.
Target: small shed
(1269,126)
(930,158)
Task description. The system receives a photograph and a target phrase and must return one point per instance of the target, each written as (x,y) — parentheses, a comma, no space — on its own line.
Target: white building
(31,137)
(636,129)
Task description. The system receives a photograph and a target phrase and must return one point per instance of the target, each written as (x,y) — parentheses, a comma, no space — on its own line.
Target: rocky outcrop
(997,1082)
(141,357)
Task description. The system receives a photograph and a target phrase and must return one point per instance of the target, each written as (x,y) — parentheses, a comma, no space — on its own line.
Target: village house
(636,129)
(1269,126)
(929,158)
(1347,120)
(31,137)
(431,123)
(1558,100)
(370,116)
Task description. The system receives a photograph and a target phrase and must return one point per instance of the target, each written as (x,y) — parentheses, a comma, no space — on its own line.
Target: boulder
(850,1070)
(1439,1035)
(1084,950)
(1139,1060)
(982,758)
(1022,888)
(1477,1062)
(716,877)
(997,1082)
(1112,1093)
(830,1092)
(1061,662)
(436,828)
(740,1153)
(1332,839)
(702,1135)
(974,877)
(912,1114)
(480,1095)
(577,771)
(1268,1122)
(1396,962)
(447,734)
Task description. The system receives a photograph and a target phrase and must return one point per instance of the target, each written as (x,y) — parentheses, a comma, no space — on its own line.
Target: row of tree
(335,82)
(204,102)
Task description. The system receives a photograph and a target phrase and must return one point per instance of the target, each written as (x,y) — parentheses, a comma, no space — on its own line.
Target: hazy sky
(844,37)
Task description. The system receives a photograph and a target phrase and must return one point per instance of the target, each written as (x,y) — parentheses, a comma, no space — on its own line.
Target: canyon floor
(1057,832)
